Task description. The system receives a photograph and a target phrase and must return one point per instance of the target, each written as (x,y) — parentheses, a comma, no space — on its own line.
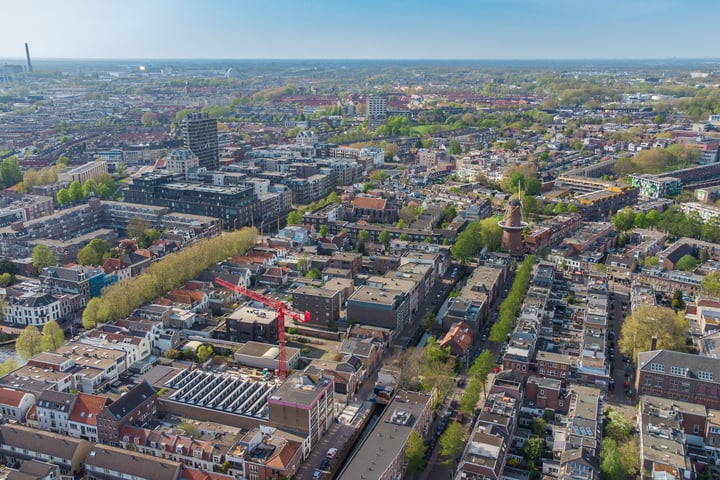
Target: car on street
(332,452)
(317,474)
(325,464)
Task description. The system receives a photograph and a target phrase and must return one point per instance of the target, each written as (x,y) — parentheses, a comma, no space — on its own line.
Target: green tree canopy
(378,176)
(8,366)
(451,442)
(687,263)
(28,343)
(53,337)
(711,284)
(384,238)
(647,321)
(623,220)
(10,172)
(94,253)
(63,196)
(43,256)
(415,453)
(75,191)
(88,188)
(204,352)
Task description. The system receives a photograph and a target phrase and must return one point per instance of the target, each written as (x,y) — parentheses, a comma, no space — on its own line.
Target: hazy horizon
(370,30)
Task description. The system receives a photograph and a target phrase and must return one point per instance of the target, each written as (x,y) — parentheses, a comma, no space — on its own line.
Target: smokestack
(27,54)
(653,343)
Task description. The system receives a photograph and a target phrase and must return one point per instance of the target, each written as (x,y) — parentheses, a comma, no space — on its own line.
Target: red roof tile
(369,203)
(87,408)
(11,397)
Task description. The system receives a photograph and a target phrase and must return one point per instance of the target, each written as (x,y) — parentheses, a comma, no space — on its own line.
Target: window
(657,367)
(678,371)
(705,375)
(542,392)
(696,428)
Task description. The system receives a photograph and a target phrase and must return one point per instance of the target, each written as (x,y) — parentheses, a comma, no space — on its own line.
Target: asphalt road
(622,372)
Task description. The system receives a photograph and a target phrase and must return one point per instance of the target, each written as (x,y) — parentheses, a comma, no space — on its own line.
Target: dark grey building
(200,134)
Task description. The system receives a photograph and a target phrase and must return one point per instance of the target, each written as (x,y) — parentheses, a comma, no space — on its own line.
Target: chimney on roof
(653,343)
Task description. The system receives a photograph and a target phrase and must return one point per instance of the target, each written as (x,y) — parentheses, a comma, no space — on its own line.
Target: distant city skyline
(372,29)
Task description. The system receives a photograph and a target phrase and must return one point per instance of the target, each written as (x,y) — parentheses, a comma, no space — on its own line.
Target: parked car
(317,474)
(325,464)
(332,452)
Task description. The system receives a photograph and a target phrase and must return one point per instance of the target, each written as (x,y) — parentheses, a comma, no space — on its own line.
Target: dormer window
(678,371)
(657,367)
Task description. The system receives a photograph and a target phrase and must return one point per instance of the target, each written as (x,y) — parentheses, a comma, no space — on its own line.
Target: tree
(687,263)
(8,366)
(378,176)
(28,343)
(404,237)
(455,148)
(678,303)
(43,256)
(75,191)
(415,453)
(647,322)
(451,442)
(53,337)
(172,354)
(572,208)
(88,188)
(470,398)
(408,214)
(313,274)
(63,196)
(538,426)
(294,218)
(384,238)
(10,172)
(559,208)
(532,451)
(652,261)
(711,284)
(323,231)
(623,220)
(429,322)
(401,224)
(482,367)
(94,253)
(204,352)
(363,237)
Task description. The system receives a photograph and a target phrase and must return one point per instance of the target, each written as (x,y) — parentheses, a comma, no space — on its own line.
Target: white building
(27,303)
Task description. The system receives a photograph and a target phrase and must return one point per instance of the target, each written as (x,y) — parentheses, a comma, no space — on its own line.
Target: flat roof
(388,438)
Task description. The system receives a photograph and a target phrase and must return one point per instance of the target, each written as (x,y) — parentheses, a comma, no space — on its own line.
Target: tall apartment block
(376,111)
(201,136)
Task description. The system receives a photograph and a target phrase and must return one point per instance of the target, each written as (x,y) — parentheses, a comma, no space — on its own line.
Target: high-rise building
(376,111)
(201,136)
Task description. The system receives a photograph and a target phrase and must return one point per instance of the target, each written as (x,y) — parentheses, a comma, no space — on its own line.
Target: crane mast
(282,310)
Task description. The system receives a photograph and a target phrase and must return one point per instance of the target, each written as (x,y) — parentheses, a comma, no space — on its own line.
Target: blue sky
(453,29)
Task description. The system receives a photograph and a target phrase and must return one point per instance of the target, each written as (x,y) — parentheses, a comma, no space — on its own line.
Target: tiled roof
(369,203)
(460,335)
(11,397)
(87,408)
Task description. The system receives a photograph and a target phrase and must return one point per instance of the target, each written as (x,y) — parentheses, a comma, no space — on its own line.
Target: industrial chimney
(27,54)
(653,343)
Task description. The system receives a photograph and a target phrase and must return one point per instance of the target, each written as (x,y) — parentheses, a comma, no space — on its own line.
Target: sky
(360,29)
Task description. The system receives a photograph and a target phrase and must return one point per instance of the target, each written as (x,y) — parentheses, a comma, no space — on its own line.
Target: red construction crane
(282,310)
